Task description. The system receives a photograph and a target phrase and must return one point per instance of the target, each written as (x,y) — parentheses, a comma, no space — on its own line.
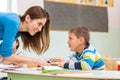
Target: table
(2,74)
(37,75)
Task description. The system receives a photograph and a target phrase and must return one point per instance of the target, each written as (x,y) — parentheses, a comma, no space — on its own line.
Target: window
(8,6)
(3,5)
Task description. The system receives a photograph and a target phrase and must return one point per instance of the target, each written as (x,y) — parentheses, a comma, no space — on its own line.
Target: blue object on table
(3,78)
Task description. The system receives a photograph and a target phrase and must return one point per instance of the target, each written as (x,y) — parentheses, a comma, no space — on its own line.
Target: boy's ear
(82,40)
(27,18)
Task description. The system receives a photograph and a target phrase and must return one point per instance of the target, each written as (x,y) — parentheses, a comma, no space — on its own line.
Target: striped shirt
(90,59)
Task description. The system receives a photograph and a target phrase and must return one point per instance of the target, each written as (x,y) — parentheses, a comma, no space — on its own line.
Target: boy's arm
(86,63)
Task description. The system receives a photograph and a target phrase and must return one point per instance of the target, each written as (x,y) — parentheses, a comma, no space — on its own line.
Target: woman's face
(35,26)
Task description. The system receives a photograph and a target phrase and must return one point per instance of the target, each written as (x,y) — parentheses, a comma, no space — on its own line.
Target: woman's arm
(25,60)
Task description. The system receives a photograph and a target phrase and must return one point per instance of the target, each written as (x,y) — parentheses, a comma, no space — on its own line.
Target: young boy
(86,57)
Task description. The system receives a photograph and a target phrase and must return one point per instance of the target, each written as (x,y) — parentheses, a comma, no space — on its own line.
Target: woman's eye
(40,24)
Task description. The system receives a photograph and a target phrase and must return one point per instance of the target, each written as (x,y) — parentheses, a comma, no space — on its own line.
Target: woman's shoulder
(8,16)
(4,14)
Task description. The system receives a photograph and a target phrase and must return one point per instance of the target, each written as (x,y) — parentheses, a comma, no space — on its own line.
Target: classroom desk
(37,75)
(2,74)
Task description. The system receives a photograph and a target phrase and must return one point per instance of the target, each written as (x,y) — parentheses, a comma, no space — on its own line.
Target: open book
(58,70)
(45,69)
(50,67)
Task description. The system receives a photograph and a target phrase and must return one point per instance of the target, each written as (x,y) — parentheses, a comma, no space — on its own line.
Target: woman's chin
(32,34)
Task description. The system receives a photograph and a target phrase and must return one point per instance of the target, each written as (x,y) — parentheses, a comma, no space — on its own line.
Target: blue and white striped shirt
(90,59)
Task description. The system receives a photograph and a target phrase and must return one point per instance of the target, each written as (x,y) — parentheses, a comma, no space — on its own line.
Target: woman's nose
(39,28)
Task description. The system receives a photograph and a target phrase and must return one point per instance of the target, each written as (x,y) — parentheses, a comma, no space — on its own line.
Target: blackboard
(65,16)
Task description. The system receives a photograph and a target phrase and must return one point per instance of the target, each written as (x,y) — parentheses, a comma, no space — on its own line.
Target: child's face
(73,42)
(14,46)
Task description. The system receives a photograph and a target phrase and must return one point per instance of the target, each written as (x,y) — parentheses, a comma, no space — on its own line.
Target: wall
(25,4)
(107,43)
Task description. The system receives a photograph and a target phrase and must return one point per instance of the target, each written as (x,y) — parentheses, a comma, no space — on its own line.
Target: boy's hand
(44,63)
(61,64)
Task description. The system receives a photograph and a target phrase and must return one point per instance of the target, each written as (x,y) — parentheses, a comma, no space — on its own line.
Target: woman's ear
(27,18)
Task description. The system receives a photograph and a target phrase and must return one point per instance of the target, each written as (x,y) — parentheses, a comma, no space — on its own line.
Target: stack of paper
(51,67)
(6,66)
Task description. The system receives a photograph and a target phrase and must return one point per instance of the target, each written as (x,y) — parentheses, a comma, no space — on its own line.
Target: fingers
(44,63)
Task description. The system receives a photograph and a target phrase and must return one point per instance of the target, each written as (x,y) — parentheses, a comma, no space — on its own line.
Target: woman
(33,27)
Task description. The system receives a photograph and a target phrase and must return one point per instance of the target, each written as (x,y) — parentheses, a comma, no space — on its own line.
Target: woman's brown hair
(41,40)
(81,31)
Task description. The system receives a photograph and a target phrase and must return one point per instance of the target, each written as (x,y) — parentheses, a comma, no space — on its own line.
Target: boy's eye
(70,38)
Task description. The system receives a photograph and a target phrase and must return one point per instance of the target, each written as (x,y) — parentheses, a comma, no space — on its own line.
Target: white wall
(25,4)
(106,42)
(3,6)
(109,43)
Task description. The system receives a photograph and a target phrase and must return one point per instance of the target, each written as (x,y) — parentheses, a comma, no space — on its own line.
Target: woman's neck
(23,27)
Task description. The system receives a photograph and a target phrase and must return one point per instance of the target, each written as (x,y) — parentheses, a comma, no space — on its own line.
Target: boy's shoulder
(90,49)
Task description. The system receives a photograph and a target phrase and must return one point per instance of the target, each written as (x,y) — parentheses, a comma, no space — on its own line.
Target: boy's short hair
(18,43)
(81,31)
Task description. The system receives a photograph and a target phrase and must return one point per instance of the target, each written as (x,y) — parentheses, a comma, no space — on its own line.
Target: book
(54,70)
(46,69)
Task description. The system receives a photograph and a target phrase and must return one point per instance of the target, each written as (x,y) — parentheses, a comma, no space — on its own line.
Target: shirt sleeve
(86,63)
(10,30)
